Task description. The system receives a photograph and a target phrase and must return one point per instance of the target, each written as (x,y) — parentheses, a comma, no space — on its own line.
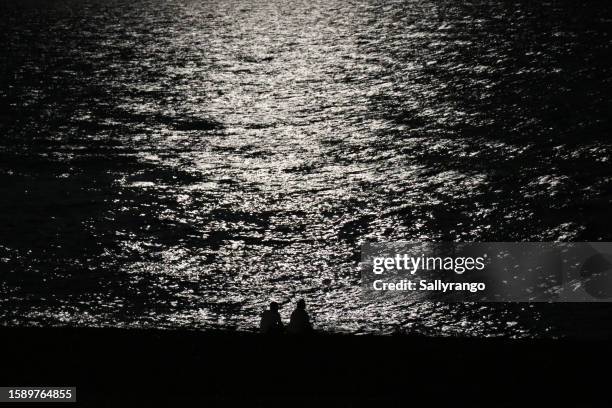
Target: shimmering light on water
(179,163)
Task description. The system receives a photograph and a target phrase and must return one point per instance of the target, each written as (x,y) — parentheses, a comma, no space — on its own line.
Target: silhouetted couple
(271,322)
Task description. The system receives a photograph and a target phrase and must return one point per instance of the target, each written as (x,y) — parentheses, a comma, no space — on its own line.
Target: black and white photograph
(301,203)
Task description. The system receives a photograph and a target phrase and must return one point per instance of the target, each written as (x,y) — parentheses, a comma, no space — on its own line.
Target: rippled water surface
(180,163)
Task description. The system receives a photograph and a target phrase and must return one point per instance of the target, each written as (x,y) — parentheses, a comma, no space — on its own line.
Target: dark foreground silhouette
(117,367)
(271,322)
(300,320)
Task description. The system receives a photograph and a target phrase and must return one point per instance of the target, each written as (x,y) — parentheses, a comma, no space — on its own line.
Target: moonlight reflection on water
(179,163)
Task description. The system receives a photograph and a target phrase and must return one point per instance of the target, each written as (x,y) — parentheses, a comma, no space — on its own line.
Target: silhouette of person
(300,321)
(271,322)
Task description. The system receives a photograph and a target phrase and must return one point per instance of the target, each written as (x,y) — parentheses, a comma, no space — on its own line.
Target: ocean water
(181,163)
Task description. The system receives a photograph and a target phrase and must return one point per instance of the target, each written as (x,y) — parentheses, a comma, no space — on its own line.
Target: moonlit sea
(180,163)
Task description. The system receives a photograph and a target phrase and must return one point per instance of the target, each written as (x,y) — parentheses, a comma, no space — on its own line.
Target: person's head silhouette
(271,320)
(300,321)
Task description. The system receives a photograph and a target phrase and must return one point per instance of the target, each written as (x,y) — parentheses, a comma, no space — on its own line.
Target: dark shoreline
(115,367)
